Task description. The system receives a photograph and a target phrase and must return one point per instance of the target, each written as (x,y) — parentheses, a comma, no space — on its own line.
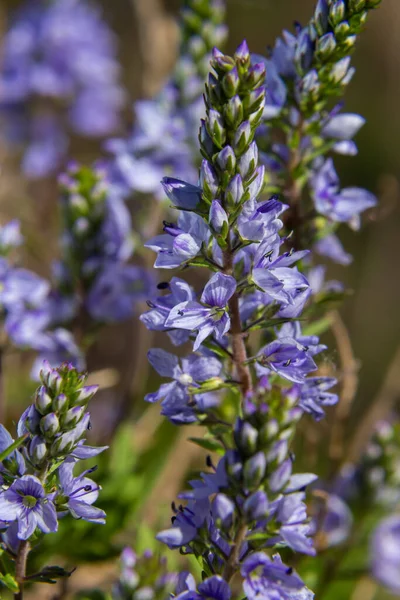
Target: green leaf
(208,444)
(14,446)
(49,575)
(9,581)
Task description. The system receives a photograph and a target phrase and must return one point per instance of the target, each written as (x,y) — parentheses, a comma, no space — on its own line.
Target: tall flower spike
(163,141)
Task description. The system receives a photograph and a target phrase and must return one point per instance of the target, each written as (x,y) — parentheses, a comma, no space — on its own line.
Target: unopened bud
(256,506)
(226,159)
(216,128)
(43,401)
(217,216)
(245,437)
(233,112)
(235,190)
(231,83)
(37,450)
(60,403)
(73,416)
(50,425)
(337,12)
(254,470)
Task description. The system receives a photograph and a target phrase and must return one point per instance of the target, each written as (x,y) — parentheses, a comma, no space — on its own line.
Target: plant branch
(20,567)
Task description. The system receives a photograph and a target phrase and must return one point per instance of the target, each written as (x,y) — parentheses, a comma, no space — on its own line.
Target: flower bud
(73,416)
(248,161)
(226,159)
(268,431)
(37,450)
(205,139)
(311,85)
(208,180)
(245,437)
(85,394)
(230,83)
(254,470)
(321,17)
(223,509)
(254,100)
(256,506)
(243,137)
(326,45)
(337,12)
(357,5)
(221,63)
(279,478)
(233,111)
(235,190)
(54,381)
(43,402)
(304,54)
(50,425)
(214,90)
(341,31)
(60,403)
(349,43)
(216,127)
(340,70)
(242,56)
(217,216)
(255,76)
(196,47)
(64,444)
(29,421)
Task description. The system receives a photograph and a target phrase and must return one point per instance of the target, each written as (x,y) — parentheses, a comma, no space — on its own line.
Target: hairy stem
(238,343)
(20,567)
(232,563)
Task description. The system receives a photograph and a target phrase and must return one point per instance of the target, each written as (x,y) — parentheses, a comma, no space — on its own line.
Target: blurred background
(147,38)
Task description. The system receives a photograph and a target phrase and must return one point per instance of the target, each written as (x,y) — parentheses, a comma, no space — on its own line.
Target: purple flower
(338,205)
(331,247)
(25,501)
(288,358)
(14,463)
(77,494)
(177,403)
(314,395)
(334,520)
(270,579)
(385,553)
(211,316)
(180,242)
(10,236)
(182,194)
(294,531)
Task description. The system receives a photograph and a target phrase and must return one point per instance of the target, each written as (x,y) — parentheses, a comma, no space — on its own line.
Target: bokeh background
(148,42)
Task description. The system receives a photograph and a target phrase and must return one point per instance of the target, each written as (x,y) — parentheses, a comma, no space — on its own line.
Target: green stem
(232,563)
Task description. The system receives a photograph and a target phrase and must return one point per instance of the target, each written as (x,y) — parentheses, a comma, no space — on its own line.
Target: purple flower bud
(226,159)
(248,161)
(208,179)
(233,111)
(206,140)
(321,17)
(60,403)
(281,476)
(235,190)
(231,82)
(50,425)
(326,45)
(217,217)
(224,509)
(310,84)
(73,416)
(43,401)
(254,470)
(220,62)
(269,431)
(37,450)
(243,137)
(255,100)
(85,394)
(304,54)
(54,381)
(256,75)
(216,127)
(245,437)
(256,506)
(242,54)
(340,70)
(63,444)
(337,12)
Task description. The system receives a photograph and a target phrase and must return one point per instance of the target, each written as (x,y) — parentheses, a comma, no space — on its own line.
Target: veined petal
(219,290)
(165,363)
(187,315)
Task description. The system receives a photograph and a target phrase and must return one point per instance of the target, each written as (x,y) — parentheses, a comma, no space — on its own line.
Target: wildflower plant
(38,483)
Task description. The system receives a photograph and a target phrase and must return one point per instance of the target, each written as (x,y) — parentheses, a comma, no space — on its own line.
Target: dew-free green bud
(37,450)
(356,5)
(337,12)
(342,30)
(230,83)
(50,425)
(269,430)
(43,401)
(248,161)
(245,436)
(60,403)
(85,394)
(254,100)
(235,190)
(255,76)
(73,416)
(242,57)
(349,43)
(254,470)
(221,63)
(340,70)
(243,137)
(321,17)
(206,140)
(233,112)
(326,45)
(216,127)
(226,159)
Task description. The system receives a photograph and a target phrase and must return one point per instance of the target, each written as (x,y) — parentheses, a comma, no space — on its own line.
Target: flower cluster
(93,277)
(304,71)
(58,66)
(250,501)
(144,576)
(38,485)
(163,139)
